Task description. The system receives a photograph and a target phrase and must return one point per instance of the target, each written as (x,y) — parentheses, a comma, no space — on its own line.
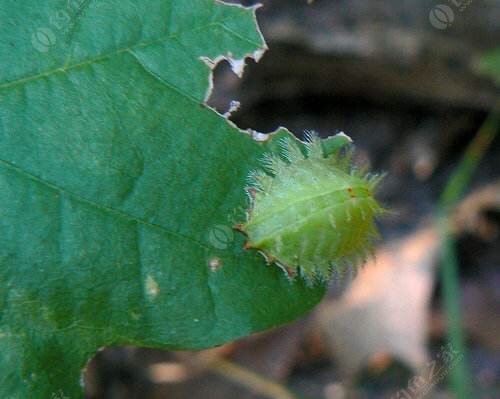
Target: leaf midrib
(107,209)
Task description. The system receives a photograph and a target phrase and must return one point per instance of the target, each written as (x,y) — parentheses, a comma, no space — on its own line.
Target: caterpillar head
(311,211)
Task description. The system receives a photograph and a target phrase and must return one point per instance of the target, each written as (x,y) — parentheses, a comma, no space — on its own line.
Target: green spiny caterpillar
(312,212)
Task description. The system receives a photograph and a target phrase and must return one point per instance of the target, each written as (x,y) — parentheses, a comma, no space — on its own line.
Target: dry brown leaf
(469,214)
(385,309)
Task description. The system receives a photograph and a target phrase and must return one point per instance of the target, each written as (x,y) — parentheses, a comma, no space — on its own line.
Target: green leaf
(119,188)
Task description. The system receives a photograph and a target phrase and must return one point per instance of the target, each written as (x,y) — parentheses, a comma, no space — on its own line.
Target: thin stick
(253,381)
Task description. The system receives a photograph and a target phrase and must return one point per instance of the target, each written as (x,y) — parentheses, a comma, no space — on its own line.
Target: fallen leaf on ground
(385,309)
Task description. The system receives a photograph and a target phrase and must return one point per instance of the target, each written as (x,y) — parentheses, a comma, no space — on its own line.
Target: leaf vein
(111,54)
(105,208)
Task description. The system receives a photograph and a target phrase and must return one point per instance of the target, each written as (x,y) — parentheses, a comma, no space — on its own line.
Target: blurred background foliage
(415,96)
